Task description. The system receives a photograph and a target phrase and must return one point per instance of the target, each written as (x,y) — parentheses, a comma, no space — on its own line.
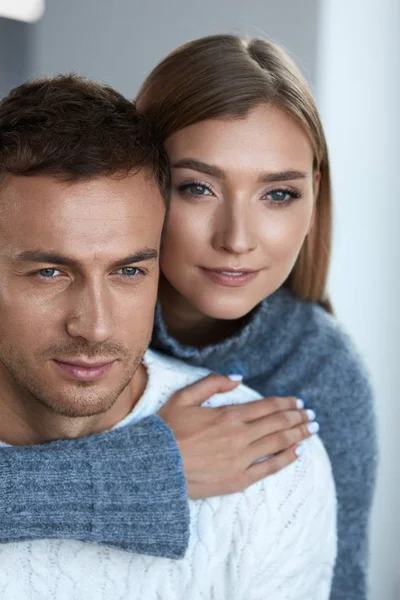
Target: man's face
(78,286)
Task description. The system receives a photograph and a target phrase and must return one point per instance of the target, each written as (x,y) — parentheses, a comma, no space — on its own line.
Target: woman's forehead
(267,140)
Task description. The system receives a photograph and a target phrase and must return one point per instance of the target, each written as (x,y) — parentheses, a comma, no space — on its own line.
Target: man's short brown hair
(73,128)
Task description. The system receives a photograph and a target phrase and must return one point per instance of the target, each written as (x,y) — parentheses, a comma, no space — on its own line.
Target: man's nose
(91,317)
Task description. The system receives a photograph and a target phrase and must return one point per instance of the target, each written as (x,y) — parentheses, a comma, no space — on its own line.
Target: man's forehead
(45,202)
(42,191)
(92,222)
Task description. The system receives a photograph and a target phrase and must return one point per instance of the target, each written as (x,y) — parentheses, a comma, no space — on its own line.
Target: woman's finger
(251,411)
(280,441)
(286,419)
(200,391)
(272,465)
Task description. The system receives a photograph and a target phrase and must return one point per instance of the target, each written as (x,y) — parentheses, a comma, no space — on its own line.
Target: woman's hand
(223,448)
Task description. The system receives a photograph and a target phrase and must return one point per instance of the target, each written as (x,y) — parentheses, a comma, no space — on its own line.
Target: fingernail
(299,450)
(310,414)
(299,403)
(313,427)
(235,377)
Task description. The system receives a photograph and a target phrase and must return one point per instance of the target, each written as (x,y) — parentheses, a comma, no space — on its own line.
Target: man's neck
(25,423)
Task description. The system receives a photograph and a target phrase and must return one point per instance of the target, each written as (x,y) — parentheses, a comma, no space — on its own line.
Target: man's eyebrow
(142,255)
(201,167)
(41,256)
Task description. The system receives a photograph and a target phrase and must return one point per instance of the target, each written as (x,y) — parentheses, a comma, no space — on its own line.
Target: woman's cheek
(283,234)
(185,233)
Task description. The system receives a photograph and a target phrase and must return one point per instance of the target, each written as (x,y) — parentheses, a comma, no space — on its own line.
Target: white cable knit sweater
(275,541)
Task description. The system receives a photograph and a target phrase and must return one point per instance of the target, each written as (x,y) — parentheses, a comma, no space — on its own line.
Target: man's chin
(84,406)
(79,399)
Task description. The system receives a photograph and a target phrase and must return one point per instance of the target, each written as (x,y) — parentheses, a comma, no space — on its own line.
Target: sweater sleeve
(135,499)
(298,562)
(348,430)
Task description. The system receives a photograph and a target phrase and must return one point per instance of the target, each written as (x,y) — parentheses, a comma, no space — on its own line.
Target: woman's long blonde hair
(225,75)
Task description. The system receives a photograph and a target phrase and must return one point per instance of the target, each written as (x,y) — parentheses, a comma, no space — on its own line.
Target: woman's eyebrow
(197,165)
(201,167)
(282,176)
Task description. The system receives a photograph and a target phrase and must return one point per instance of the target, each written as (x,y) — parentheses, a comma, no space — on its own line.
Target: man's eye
(130,271)
(48,273)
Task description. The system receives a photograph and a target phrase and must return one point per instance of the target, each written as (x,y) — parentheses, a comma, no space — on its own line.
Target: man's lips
(82,370)
(230,277)
(87,364)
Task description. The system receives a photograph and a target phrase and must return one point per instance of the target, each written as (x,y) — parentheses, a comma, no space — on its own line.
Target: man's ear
(316,184)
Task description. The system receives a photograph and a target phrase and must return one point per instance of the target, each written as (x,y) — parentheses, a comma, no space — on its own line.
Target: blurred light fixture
(22,10)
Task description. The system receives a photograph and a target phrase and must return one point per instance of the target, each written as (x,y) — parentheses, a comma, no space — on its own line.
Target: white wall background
(359,95)
(350,52)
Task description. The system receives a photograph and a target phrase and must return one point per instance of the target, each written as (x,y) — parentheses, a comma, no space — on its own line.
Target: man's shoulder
(168,375)
(311,471)
(178,374)
(300,494)
(168,366)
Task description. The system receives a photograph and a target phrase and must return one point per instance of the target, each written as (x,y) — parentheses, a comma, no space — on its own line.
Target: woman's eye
(280,196)
(48,273)
(196,189)
(129,271)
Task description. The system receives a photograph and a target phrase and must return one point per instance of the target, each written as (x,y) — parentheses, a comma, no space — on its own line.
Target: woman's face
(243,192)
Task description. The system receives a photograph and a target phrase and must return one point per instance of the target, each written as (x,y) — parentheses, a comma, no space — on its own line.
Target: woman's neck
(188,325)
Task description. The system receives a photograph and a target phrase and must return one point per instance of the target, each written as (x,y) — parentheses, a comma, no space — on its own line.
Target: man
(83,192)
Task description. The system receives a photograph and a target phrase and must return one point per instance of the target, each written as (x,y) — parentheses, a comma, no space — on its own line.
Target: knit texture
(277,540)
(124,488)
(292,347)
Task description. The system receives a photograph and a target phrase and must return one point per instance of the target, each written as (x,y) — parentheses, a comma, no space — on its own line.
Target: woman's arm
(129,487)
(124,488)
(348,431)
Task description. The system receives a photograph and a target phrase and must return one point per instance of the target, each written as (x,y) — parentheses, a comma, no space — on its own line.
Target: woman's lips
(230,278)
(81,372)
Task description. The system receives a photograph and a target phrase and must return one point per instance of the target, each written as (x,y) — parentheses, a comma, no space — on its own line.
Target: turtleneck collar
(265,323)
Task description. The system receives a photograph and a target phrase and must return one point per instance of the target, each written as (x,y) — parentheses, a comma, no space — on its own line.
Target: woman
(250,219)
(246,252)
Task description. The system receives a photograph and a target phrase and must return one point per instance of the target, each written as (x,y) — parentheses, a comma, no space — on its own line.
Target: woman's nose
(235,232)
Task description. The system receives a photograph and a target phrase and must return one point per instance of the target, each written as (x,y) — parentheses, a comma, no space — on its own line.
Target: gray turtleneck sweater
(87,489)
(292,347)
